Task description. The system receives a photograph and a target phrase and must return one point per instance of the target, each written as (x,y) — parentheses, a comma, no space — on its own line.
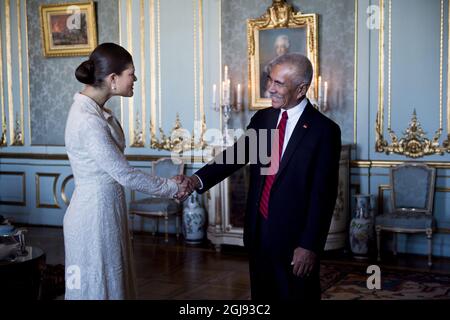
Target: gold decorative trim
(158,41)
(28,72)
(446,143)
(194,33)
(119,9)
(63,189)
(177,141)
(355,79)
(54,205)
(389,163)
(279,15)
(22,203)
(152,69)
(9,69)
(129,15)
(19,137)
(63,157)
(201,61)
(4,132)
(414,144)
(139,136)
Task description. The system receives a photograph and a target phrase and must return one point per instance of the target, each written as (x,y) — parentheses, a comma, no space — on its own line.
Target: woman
(96,238)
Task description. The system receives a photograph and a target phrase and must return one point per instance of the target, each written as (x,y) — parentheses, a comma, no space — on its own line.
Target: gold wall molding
(177,139)
(23,202)
(9,69)
(4,132)
(16,117)
(388,164)
(19,137)
(137,118)
(38,177)
(414,143)
(64,157)
(63,189)
(355,79)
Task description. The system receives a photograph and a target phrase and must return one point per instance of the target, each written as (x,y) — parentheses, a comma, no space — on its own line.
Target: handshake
(186,185)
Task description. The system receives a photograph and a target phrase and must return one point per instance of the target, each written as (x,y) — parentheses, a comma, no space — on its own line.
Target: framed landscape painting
(68,29)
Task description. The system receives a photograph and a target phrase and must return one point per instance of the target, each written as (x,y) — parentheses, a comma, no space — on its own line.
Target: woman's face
(124,82)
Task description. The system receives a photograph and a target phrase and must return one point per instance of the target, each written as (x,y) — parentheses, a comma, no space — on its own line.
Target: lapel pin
(305,126)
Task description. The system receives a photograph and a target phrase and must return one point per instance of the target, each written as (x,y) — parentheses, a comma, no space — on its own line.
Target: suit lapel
(300,130)
(271,124)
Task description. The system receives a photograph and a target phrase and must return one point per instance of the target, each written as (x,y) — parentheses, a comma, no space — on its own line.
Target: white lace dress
(98,253)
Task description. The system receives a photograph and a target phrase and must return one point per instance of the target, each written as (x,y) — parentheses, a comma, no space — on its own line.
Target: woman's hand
(185,187)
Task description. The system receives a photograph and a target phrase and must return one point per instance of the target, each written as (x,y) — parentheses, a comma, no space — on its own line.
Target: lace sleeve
(106,154)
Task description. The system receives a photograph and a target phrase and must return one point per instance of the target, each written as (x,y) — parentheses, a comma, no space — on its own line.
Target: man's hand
(185,187)
(303,261)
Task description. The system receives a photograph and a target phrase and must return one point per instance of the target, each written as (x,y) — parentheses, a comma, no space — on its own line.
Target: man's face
(283,92)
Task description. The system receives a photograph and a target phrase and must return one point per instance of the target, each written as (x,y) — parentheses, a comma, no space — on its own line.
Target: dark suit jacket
(304,193)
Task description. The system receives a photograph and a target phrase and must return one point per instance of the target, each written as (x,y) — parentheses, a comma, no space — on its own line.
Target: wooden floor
(171,270)
(175,270)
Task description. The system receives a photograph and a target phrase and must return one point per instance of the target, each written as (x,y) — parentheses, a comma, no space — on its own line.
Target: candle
(224,92)
(239,97)
(226,73)
(228,92)
(214,95)
(325,95)
(319,97)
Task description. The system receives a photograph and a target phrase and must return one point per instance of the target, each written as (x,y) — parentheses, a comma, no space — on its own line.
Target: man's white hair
(282,39)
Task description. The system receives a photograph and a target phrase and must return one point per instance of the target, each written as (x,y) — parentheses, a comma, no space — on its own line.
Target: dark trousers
(271,276)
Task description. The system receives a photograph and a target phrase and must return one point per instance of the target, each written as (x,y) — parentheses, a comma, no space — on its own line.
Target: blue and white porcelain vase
(193,221)
(361,228)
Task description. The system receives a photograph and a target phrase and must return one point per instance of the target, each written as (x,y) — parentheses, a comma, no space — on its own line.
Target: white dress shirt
(294,115)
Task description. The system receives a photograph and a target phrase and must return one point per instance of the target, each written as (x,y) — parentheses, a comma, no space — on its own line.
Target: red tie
(264,203)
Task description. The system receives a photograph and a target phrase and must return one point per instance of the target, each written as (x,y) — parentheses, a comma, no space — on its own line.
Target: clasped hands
(186,185)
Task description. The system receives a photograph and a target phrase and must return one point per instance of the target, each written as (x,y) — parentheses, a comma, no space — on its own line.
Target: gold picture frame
(68,29)
(280,22)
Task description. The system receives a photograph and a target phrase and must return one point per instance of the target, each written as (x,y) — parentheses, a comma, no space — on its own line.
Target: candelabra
(226,107)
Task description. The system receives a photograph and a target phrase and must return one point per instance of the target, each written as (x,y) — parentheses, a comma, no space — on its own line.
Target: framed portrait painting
(280,30)
(68,29)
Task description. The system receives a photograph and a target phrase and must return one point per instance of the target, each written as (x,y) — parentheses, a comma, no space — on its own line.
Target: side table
(21,278)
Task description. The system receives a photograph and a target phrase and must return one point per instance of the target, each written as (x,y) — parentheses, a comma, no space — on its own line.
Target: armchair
(153,207)
(411,204)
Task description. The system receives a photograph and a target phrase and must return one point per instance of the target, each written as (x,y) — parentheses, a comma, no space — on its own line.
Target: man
(288,213)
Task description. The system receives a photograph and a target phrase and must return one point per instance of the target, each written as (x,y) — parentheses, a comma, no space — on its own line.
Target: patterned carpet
(346,282)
